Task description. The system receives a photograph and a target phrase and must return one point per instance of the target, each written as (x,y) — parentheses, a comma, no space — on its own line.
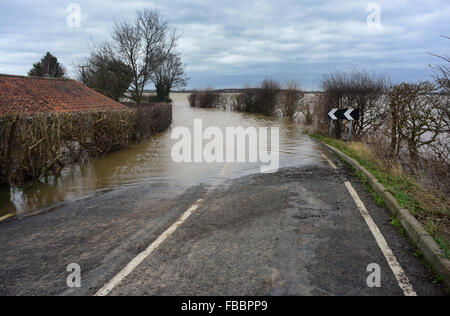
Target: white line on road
(224,170)
(104,291)
(399,274)
(330,162)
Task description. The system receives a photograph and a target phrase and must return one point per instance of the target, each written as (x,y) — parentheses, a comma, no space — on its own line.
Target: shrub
(206,99)
(263,99)
(244,101)
(290,99)
(34,146)
(267,97)
(155,99)
(308,108)
(359,90)
(417,119)
(152,118)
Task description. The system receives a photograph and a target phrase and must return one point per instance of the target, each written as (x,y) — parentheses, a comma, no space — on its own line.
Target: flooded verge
(151,161)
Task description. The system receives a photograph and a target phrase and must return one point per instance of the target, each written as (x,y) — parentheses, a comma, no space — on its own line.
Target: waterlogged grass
(428,207)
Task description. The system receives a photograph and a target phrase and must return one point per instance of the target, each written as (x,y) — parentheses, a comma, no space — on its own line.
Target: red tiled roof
(27,95)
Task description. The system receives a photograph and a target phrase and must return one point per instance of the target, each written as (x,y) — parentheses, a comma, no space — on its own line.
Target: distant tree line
(270,97)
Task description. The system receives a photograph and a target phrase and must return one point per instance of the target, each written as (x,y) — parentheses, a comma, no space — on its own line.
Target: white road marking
(224,170)
(399,274)
(6,217)
(104,291)
(330,162)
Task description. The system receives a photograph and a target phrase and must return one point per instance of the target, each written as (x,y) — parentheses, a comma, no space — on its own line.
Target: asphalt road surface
(296,232)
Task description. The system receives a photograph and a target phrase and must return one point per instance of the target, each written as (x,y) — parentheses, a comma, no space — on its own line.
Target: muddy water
(150,161)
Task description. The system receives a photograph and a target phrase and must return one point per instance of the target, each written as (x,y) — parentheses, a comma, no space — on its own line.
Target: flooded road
(150,161)
(202,229)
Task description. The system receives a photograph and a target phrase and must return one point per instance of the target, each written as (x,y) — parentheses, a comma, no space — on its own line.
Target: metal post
(331,126)
(350,131)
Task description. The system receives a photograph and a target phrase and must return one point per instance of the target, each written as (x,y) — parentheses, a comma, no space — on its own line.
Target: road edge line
(133,264)
(5,217)
(419,236)
(330,162)
(392,261)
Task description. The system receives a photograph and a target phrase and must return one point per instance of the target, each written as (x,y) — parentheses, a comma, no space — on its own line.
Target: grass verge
(429,208)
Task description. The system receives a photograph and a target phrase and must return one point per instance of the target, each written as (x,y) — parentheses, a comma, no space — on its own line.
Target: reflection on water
(151,161)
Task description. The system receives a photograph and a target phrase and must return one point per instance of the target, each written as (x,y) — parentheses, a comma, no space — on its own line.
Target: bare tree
(290,100)
(207,98)
(416,120)
(333,86)
(442,81)
(308,108)
(366,91)
(143,44)
(262,99)
(168,75)
(442,72)
(267,97)
(357,89)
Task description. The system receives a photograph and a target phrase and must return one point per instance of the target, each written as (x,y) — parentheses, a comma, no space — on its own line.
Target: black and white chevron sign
(344,114)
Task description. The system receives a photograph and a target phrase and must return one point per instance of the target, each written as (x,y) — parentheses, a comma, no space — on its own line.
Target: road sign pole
(350,131)
(331,126)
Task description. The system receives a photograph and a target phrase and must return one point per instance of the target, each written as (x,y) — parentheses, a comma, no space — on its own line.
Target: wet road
(295,232)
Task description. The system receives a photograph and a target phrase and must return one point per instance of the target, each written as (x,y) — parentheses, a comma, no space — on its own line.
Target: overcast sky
(228,43)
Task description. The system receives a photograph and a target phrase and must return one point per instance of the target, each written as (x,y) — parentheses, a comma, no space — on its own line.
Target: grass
(398,226)
(377,199)
(430,208)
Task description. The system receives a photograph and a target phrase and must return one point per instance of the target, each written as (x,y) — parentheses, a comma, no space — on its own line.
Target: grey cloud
(226,43)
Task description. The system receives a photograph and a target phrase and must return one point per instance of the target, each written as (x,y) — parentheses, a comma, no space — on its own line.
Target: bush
(359,90)
(263,99)
(244,101)
(152,118)
(418,120)
(32,147)
(290,102)
(308,108)
(267,97)
(206,99)
(155,99)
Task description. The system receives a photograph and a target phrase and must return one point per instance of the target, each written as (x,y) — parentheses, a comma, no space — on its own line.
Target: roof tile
(27,95)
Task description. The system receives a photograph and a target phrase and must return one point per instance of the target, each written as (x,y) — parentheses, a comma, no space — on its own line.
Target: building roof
(28,95)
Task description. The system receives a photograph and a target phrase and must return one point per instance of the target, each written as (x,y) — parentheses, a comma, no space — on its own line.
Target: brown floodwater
(150,161)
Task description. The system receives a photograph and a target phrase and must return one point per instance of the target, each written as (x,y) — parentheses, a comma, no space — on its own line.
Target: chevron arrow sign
(344,114)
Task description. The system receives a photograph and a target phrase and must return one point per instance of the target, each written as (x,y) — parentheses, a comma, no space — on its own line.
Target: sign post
(343,114)
(350,130)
